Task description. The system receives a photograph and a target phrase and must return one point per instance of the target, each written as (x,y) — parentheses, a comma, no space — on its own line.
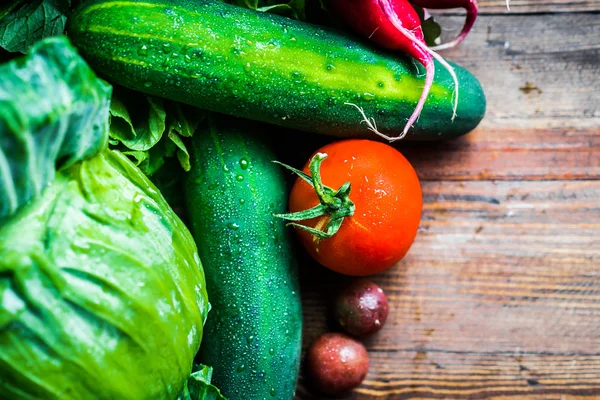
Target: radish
(469,5)
(394,24)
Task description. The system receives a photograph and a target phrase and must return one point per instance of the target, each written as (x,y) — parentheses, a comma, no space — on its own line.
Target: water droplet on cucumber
(368,96)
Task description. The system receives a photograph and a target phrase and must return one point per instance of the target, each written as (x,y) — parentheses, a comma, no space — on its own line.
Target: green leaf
(293,9)
(141,130)
(23,23)
(431,29)
(54,113)
(149,130)
(198,386)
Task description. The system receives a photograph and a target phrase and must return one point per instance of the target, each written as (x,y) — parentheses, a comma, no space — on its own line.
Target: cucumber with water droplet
(253,332)
(266,67)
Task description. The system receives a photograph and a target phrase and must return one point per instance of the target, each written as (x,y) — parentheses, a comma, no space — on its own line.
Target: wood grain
(537,6)
(510,154)
(543,91)
(537,71)
(499,296)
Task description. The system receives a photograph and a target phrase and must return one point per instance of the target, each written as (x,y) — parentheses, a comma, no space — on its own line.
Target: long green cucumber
(266,67)
(252,336)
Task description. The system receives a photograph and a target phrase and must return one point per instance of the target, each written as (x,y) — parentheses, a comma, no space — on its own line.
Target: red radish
(469,5)
(394,24)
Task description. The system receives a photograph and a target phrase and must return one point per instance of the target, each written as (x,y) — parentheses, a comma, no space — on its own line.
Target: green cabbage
(102,294)
(53,113)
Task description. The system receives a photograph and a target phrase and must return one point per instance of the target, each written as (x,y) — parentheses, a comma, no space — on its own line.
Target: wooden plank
(509,154)
(537,6)
(538,72)
(499,296)
(487,154)
(543,91)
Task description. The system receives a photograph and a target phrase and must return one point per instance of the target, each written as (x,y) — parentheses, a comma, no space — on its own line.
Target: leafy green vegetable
(292,9)
(102,291)
(24,22)
(148,129)
(54,112)
(198,386)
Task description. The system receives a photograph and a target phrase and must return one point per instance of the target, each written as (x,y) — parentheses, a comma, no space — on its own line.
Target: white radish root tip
(372,125)
(508,4)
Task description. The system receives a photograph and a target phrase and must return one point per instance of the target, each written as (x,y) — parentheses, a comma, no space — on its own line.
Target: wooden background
(499,297)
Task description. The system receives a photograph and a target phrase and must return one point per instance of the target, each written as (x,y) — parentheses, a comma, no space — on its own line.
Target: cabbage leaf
(102,293)
(53,113)
(198,386)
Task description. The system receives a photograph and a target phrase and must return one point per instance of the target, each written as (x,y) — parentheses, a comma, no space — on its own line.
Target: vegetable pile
(146,240)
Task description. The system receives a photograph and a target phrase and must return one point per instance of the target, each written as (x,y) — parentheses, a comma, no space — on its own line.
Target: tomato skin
(388,199)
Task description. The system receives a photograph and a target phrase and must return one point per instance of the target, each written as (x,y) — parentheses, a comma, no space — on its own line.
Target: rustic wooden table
(500,295)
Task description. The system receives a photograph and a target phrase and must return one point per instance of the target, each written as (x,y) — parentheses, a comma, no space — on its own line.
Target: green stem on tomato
(334,203)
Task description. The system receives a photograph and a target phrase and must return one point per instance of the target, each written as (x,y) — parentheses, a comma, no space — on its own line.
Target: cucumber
(252,336)
(266,67)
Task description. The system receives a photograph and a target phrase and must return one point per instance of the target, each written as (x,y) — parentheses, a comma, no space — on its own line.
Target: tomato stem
(333,203)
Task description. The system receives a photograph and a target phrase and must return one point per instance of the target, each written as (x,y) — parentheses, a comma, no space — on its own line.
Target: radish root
(372,125)
(425,57)
(430,69)
(472,11)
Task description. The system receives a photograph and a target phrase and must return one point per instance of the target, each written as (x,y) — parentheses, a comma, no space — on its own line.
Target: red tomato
(386,192)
